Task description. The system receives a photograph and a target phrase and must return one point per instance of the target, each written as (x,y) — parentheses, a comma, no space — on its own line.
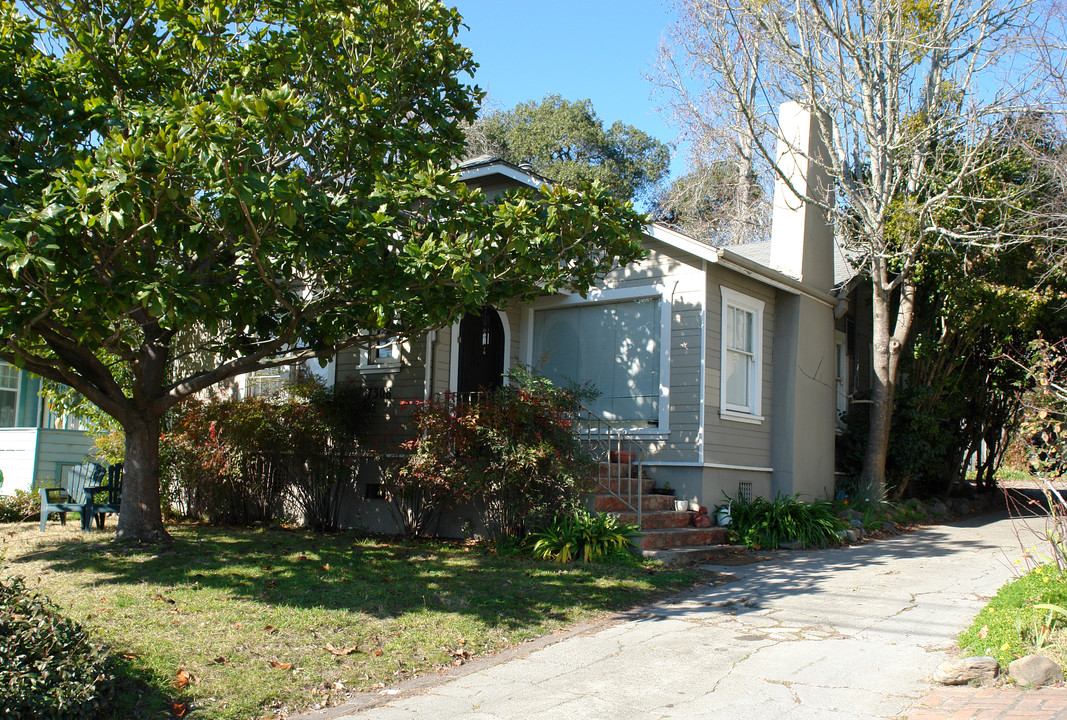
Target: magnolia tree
(193,190)
(905,94)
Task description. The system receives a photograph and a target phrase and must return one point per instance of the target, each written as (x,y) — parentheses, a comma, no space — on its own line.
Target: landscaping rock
(849,536)
(939,508)
(889,526)
(855,522)
(963,670)
(1035,670)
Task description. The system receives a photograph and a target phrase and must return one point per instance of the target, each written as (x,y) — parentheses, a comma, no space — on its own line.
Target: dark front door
(481,352)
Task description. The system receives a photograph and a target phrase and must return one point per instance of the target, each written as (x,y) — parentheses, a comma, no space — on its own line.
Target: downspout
(841,309)
(431,340)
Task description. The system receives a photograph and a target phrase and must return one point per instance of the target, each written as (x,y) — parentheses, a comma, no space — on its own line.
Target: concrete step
(681,537)
(658,520)
(604,502)
(694,554)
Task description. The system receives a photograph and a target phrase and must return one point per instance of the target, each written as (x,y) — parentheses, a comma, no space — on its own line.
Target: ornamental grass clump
(762,524)
(48,666)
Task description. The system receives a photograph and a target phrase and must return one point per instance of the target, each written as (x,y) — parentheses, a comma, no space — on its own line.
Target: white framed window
(841,389)
(618,341)
(9,394)
(383,356)
(742,357)
(267,381)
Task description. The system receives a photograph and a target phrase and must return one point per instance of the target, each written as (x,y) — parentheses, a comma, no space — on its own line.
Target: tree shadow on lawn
(136,695)
(382,578)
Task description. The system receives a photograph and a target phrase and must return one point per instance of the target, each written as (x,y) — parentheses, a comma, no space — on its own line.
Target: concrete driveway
(847,633)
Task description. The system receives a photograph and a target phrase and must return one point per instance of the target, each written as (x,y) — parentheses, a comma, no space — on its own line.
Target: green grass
(246,623)
(1010,626)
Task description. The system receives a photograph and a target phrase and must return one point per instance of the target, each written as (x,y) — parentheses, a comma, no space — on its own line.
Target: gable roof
(486,165)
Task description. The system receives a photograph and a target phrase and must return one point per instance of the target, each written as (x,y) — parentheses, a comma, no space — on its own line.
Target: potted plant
(665,490)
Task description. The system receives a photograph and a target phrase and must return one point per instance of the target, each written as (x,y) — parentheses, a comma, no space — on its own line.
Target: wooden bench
(84,484)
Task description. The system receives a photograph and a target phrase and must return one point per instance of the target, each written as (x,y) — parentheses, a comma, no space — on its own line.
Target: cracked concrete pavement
(850,633)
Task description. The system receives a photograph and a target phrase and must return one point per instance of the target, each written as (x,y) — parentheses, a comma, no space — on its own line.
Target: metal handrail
(619,458)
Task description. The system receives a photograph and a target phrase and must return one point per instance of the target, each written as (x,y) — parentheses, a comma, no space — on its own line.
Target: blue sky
(580,49)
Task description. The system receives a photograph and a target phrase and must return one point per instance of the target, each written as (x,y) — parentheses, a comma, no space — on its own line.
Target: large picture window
(614,346)
(742,349)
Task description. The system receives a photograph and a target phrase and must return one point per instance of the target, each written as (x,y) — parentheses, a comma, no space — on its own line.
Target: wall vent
(744,491)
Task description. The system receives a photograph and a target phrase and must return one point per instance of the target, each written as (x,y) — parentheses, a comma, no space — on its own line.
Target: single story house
(729,366)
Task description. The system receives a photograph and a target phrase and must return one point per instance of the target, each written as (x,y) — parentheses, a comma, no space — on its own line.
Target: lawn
(255,623)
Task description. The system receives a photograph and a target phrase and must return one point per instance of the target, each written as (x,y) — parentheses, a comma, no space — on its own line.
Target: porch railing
(619,458)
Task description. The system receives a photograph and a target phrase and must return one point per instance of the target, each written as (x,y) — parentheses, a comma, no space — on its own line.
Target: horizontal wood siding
(729,442)
(389,390)
(683,276)
(58,450)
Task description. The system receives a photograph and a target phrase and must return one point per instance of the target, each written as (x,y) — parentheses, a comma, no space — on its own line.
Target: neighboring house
(730,366)
(36,446)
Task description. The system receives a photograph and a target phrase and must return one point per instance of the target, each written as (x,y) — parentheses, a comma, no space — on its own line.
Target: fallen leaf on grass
(238,625)
(220,660)
(130,656)
(326,567)
(377,651)
(270,629)
(280,665)
(983,632)
(179,709)
(340,651)
(159,597)
(184,678)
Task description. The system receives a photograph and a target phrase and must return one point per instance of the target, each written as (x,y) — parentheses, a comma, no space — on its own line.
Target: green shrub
(591,537)
(760,523)
(20,507)
(232,462)
(512,453)
(48,666)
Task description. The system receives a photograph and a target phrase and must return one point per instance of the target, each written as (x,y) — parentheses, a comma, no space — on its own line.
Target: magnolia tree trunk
(141,517)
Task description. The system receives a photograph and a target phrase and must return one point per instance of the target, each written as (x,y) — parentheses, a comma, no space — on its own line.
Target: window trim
(368,364)
(17,390)
(752,413)
(600,296)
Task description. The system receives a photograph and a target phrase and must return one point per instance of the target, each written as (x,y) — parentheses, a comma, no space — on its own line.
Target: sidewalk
(992,703)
